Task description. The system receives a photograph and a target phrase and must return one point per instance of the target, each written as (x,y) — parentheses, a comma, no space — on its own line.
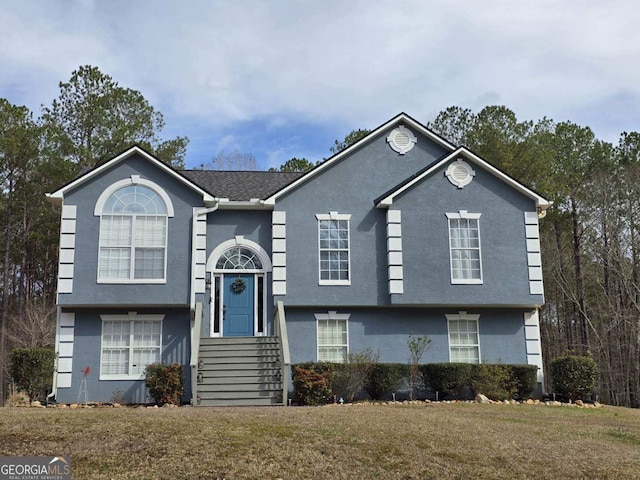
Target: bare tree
(234,160)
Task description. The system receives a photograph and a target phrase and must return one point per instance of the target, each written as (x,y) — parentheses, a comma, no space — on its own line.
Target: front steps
(239,371)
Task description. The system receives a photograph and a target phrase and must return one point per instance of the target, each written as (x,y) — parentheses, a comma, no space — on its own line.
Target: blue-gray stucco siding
(386,330)
(425,242)
(349,186)
(86,290)
(86,353)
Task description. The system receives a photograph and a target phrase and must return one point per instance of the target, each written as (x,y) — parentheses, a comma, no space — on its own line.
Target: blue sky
(286,78)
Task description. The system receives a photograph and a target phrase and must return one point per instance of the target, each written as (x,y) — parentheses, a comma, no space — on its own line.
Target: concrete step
(234,394)
(246,388)
(239,402)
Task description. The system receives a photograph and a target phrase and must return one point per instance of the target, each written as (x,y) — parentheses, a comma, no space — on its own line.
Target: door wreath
(238,285)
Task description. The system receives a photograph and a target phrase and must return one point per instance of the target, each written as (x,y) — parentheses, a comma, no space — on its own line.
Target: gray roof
(241,185)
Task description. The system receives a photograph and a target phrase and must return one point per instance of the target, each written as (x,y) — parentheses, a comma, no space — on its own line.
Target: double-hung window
(333,337)
(464,339)
(464,247)
(133,236)
(334,249)
(129,343)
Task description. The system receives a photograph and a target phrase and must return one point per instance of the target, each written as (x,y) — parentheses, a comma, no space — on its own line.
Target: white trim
(66,252)
(128,182)
(394,253)
(463,315)
(393,137)
(534,258)
(463,214)
(65,336)
(239,241)
(345,217)
(541,203)
(131,318)
(401,118)
(331,315)
(533,343)
(460,183)
(57,197)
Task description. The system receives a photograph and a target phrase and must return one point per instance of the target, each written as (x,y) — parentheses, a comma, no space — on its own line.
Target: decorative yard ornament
(238,285)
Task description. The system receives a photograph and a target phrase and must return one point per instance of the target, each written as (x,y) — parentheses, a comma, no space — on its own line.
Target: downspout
(54,387)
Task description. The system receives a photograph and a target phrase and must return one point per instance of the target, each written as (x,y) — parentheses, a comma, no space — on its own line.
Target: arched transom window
(133,235)
(239,258)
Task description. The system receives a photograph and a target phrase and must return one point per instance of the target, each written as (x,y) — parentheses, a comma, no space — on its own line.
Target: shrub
(349,378)
(165,382)
(417,347)
(493,380)
(32,370)
(385,379)
(525,379)
(573,376)
(449,379)
(312,382)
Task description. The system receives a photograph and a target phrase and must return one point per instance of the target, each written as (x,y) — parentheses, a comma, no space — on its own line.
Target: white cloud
(351,63)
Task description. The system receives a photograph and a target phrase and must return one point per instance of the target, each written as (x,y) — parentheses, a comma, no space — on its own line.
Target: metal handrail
(196,327)
(280,327)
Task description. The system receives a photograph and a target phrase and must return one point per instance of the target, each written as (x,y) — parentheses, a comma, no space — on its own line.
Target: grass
(346,442)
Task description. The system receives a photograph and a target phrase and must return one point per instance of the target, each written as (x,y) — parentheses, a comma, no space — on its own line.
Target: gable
(58,196)
(381,135)
(463,157)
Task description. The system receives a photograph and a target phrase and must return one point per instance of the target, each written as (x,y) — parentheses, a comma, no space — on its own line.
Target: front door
(238,308)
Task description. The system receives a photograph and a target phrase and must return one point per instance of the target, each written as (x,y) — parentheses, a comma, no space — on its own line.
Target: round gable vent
(401,139)
(460,173)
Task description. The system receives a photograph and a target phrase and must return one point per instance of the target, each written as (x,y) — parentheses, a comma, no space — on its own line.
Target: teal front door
(238,306)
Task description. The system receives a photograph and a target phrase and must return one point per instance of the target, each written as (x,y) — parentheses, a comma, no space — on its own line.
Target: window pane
(464,341)
(149,263)
(332,340)
(115,231)
(114,262)
(465,249)
(151,231)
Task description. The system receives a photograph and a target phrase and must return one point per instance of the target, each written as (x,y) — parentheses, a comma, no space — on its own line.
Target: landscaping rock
(480,398)
(530,402)
(579,403)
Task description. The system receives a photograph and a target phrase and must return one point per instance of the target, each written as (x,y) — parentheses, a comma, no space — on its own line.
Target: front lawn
(354,442)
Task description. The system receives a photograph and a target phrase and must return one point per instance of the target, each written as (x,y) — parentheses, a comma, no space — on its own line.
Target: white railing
(196,327)
(280,327)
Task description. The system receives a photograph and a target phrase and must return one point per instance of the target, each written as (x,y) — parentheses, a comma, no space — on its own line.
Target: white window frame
(134,180)
(329,317)
(473,317)
(463,214)
(131,318)
(334,216)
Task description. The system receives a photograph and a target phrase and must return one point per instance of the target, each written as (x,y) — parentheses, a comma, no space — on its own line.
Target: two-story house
(236,275)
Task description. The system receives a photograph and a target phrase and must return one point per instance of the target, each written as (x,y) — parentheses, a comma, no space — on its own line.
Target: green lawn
(359,442)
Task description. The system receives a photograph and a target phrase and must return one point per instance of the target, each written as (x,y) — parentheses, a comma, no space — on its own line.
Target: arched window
(133,235)
(239,258)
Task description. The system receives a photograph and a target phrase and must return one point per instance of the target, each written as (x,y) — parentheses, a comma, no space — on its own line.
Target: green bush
(385,379)
(525,379)
(573,377)
(493,380)
(448,379)
(312,382)
(32,370)
(165,382)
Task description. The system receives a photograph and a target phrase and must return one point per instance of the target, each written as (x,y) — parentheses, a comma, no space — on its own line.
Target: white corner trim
(133,180)
(532,341)
(64,343)
(534,257)
(67,248)
(401,139)
(279,252)
(395,271)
